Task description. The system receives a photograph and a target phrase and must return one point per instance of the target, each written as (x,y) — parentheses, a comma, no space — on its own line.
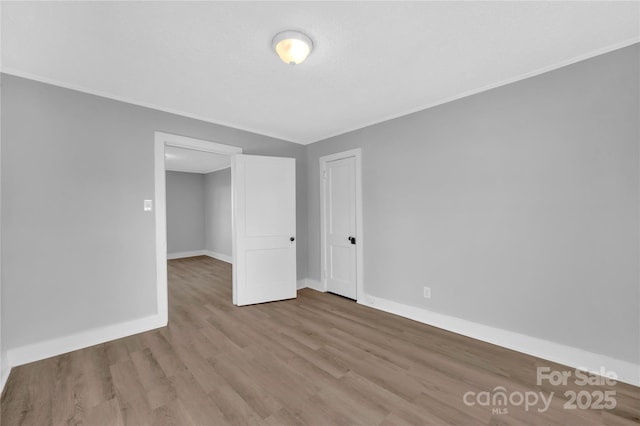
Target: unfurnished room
(319,213)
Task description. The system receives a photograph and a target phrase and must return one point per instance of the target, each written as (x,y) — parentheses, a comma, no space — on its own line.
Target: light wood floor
(318,360)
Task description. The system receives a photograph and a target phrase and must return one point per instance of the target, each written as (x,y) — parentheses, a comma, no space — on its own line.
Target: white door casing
(264,226)
(161,140)
(341,210)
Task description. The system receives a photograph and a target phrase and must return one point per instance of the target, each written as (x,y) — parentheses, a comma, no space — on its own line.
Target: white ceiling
(372,61)
(192,161)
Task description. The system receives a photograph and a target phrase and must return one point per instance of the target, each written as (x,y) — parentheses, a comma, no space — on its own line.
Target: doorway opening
(198,149)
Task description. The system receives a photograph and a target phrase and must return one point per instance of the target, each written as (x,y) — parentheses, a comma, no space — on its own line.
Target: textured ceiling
(372,61)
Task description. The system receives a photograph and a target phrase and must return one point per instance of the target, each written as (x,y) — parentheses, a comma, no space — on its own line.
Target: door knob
(352,239)
(292,239)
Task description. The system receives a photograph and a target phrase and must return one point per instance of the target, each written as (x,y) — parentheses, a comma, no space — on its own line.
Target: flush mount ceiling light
(292,46)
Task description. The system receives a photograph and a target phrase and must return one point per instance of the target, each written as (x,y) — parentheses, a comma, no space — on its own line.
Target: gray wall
(517,206)
(199,212)
(185,212)
(217,196)
(78,249)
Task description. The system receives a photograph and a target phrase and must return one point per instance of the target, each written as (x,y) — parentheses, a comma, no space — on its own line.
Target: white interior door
(340,227)
(264,205)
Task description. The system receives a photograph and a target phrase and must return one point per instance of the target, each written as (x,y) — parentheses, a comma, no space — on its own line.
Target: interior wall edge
(218,256)
(576,358)
(125,99)
(5,370)
(183,254)
(312,284)
(84,339)
(478,90)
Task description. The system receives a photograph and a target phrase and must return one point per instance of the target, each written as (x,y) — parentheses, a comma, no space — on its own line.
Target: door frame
(357,154)
(161,140)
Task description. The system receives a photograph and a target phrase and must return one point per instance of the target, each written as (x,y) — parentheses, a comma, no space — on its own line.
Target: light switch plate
(148,205)
(427,292)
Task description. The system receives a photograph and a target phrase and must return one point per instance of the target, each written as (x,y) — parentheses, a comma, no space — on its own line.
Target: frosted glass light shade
(292,47)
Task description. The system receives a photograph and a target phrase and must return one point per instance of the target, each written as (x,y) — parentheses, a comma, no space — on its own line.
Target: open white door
(264,205)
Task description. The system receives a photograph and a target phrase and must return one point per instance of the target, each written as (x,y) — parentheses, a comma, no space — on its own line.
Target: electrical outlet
(427,292)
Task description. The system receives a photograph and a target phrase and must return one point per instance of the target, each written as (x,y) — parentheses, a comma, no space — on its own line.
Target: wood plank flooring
(316,360)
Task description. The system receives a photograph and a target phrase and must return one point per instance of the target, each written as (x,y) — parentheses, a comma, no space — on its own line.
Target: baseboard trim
(219,256)
(84,339)
(213,254)
(312,284)
(183,254)
(627,372)
(5,370)
(316,285)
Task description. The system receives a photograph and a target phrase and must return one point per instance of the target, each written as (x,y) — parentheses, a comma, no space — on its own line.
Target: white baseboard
(215,255)
(182,254)
(627,372)
(316,285)
(219,256)
(48,348)
(5,369)
(312,284)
